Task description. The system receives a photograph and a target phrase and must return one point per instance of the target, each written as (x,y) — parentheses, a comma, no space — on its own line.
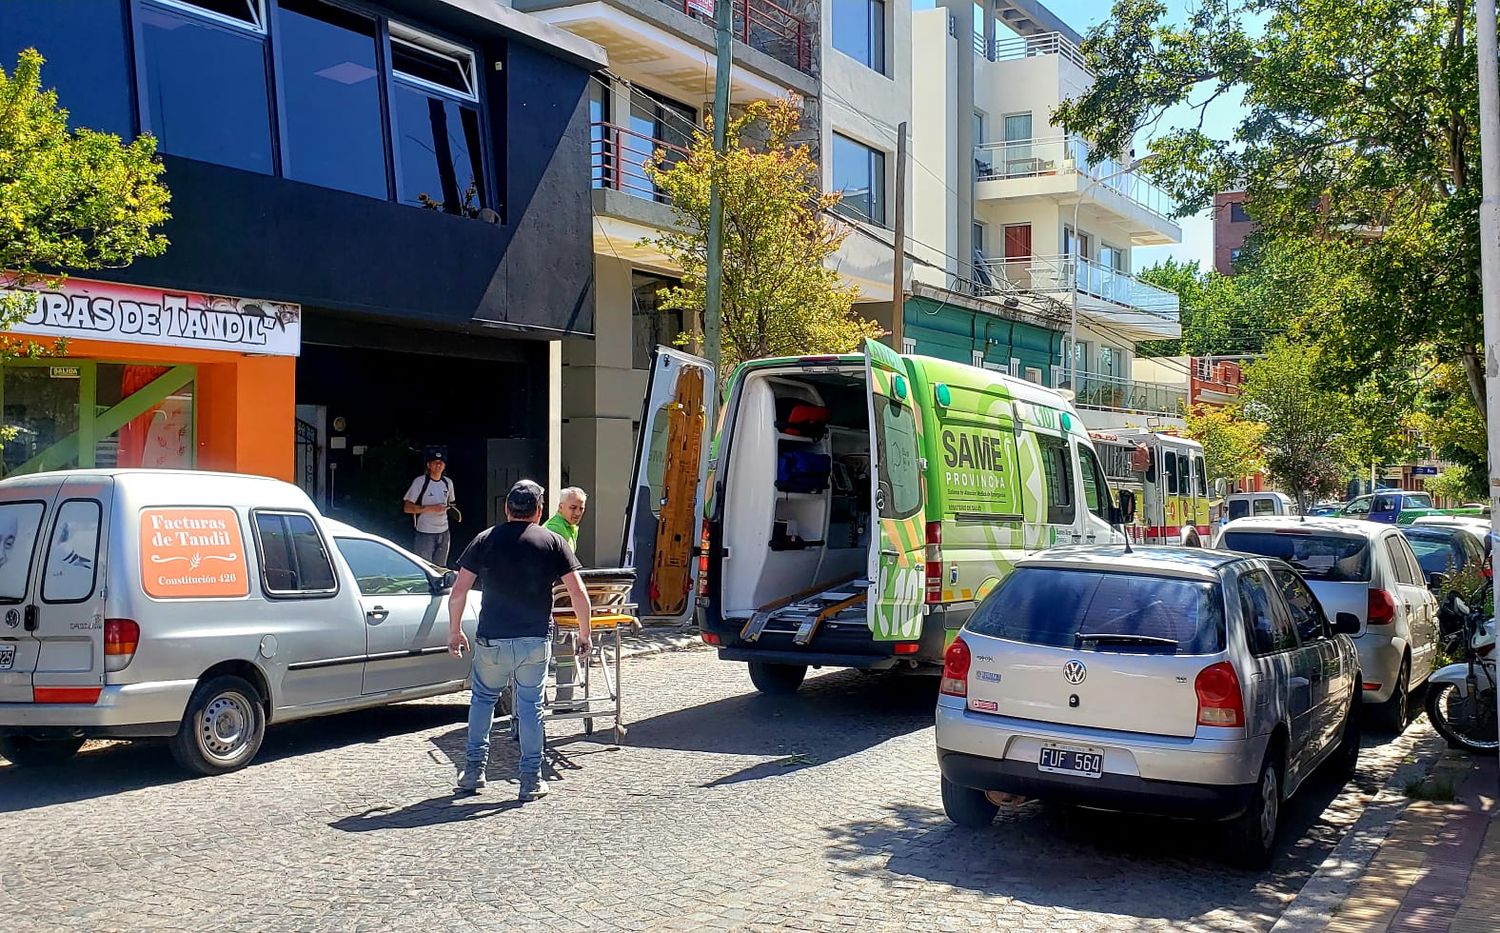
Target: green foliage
(1460,482)
(1231,445)
(1358,152)
(1221,315)
(780,296)
(70,201)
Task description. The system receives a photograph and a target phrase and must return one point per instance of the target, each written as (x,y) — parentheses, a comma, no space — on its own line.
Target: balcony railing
(1115,393)
(762,25)
(1051,43)
(618,157)
(1060,274)
(1066,155)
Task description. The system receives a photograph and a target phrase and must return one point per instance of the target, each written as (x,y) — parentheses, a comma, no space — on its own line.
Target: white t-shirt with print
(439,492)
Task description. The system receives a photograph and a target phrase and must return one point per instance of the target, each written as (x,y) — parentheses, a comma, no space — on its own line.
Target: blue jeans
(498,661)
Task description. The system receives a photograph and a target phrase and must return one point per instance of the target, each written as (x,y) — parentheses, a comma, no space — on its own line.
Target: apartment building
(1232,225)
(848,62)
(1009,209)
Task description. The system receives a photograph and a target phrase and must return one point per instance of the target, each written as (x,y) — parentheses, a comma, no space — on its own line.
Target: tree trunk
(1474,369)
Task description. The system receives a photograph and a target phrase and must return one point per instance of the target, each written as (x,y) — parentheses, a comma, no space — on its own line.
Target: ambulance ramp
(802,614)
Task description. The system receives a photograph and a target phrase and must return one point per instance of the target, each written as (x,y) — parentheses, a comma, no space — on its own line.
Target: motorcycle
(1461,696)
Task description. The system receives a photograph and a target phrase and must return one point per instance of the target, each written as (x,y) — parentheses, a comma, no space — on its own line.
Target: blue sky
(1197,232)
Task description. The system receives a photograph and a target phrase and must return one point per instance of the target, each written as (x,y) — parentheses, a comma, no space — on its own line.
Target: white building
(850,63)
(1007,204)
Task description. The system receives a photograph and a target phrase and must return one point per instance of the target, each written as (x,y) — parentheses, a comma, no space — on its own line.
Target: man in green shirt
(571,503)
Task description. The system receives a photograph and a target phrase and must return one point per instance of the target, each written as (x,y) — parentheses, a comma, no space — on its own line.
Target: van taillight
(1381,608)
(1220,702)
(934,560)
(956,659)
(120,639)
(703,560)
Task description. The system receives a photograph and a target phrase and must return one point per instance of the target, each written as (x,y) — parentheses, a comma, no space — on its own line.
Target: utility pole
(714,286)
(1489,245)
(898,271)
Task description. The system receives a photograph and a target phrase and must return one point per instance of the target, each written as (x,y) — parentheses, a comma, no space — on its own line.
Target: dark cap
(524,498)
(434,453)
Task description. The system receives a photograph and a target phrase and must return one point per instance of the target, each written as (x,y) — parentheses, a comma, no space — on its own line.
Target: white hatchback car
(1368,569)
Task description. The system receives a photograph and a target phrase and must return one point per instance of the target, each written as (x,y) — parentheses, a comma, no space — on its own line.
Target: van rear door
(896,567)
(68,594)
(667,485)
(23,514)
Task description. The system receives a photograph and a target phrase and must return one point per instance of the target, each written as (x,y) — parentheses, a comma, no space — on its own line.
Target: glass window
(651,325)
(900,477)
(1267,630)
(1184,474)
(206,88)
(1058,608)
(1239,508)
(599,136)
(1200,475)
(1334,558)
(1403,567)
(1057,467)
(73,556)
(1264,506)
(859,175)
(1417,500)
(159,438)
(417,56)
(1095,490)
(1360,506)
(330,74)
(382,571)
(1307,614)
(248,12)
(1436,551)
(654,120)
(19,525)
(293,561)
(87,53)
(859,31)
(1237,213)
(1385,504)
(1171,471)
(440,152)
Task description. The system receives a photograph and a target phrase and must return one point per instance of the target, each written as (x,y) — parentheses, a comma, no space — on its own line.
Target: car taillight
(120,639)
(1219,700)
(1382,608)
(956,669)
(934,559)
(703,560)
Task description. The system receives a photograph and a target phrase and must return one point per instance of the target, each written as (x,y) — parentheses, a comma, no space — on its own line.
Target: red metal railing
(763,26)
(618,157)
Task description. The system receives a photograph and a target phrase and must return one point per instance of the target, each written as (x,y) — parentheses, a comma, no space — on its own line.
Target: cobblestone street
(724,809)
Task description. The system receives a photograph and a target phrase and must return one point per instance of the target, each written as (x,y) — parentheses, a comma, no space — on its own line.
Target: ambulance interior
(797,494)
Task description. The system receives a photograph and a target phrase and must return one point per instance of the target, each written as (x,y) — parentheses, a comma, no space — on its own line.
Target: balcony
(1117,394)
(668,45)
(618,157)
(1020,47)
(1057,168)
(1113,297)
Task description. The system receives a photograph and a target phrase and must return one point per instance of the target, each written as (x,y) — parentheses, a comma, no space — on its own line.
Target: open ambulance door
(898,542)
(665,500)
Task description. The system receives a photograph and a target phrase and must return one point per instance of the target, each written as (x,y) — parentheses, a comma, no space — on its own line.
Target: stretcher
(591,691)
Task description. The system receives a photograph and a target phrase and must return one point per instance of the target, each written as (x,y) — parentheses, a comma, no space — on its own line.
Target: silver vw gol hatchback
(1171,681)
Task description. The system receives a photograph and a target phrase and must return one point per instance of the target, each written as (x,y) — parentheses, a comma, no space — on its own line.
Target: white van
(859,506)
(198,607)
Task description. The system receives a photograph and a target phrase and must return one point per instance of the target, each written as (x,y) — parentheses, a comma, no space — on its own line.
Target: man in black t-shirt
(517,564)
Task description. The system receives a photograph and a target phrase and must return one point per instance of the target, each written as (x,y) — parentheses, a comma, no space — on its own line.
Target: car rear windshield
(1437,551)
(1333,558)
(1417,500)
(1238,508)
(1101,611)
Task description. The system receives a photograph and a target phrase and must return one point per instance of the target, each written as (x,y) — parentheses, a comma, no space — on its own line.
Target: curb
(1313,907)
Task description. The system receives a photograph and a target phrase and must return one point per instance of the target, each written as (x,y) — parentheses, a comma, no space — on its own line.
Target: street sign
(1424,471)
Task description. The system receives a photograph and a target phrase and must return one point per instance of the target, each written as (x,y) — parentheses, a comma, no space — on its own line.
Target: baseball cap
(434,453)
(524,498)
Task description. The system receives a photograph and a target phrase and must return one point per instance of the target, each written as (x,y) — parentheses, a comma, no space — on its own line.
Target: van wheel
(967,807)
(1391,716)
(26,752)
(777,679)
(1252,834)
(222,728)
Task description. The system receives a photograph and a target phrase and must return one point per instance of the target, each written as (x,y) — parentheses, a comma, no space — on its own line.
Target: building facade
(1011,209)
(1232,224)
(847,64)
(394,193)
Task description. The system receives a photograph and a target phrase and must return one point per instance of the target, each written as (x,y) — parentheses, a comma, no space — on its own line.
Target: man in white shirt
(427,501)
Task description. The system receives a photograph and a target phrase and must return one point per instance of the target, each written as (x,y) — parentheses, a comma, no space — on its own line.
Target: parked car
(1445,551)
(1173,681)
(1246,504)
(1367,569)
(198,607)
(1391,506)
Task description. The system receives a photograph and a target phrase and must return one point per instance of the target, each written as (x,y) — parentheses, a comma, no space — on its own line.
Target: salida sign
(975,461)
(192,554)
(81,308)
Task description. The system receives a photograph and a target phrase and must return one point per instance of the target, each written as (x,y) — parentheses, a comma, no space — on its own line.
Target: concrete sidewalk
(655,639)
(1438,869)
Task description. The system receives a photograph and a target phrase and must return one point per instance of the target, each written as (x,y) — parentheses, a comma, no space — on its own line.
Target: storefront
(138,377)
(1019,341)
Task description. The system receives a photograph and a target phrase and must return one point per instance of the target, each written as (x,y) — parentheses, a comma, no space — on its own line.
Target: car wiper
(1116,638)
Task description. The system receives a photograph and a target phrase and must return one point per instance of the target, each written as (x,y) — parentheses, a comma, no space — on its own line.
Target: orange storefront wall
(245,405)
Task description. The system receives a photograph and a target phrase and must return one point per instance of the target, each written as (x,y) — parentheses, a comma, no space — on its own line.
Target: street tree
(1220,314)
(70,200)
(779,295)
(1231,444)
(1307,429)
(1359,141)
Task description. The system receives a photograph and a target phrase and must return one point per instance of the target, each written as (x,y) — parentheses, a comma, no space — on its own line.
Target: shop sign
(63,372)
(706,7)
(192,554)
(80,308)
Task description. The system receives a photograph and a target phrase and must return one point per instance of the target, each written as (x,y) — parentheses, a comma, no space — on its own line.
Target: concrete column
(989,31)
(554,422)
(962,12)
